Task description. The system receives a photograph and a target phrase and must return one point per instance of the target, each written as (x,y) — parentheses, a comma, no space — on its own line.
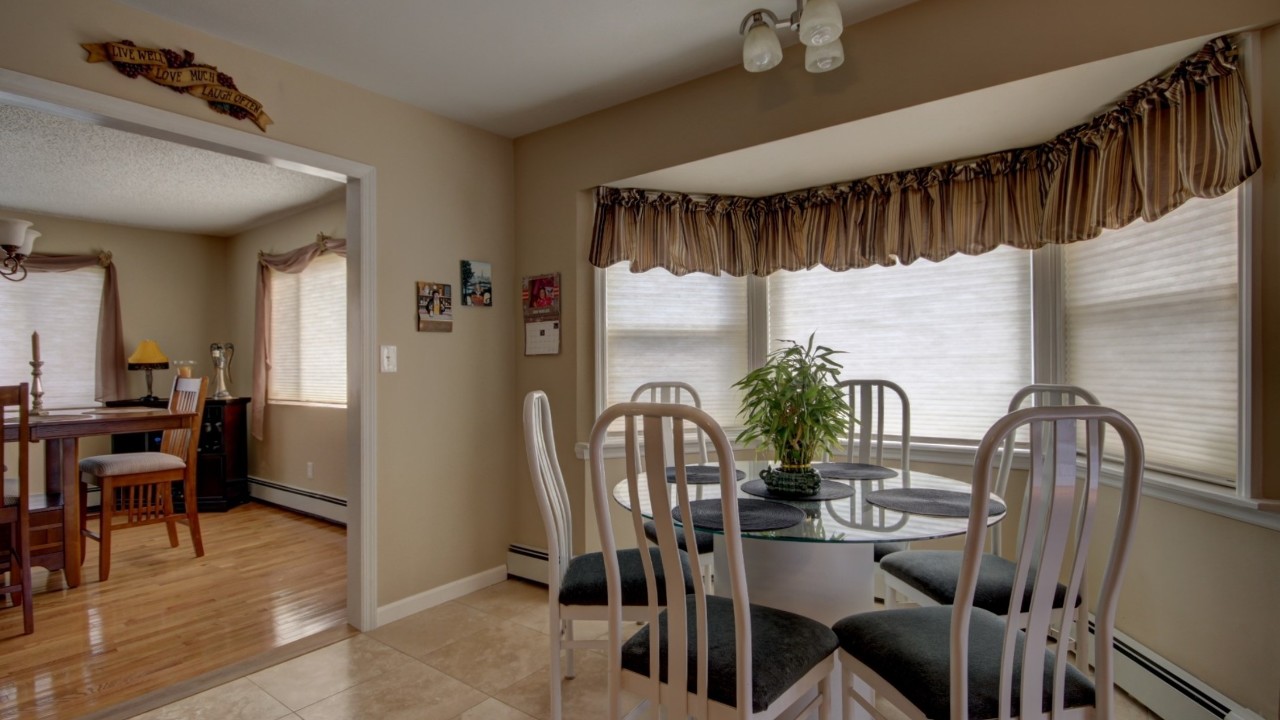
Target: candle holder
(37,389)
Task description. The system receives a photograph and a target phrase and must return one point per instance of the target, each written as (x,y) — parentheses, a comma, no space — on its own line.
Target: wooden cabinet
(222,460)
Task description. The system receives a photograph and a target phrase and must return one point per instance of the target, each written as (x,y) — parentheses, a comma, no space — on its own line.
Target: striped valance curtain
(1184,134)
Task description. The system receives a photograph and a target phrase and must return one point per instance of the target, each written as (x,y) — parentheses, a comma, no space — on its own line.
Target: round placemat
(752,515)
(702,474)
(929,501)
(853,471)
(828,490)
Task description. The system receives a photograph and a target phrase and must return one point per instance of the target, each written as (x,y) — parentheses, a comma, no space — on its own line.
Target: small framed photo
(435,307)
(477,283)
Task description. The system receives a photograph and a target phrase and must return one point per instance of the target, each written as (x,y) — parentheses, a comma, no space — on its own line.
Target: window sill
(1162,486)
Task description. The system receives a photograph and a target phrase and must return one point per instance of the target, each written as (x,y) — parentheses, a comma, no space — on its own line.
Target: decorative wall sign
(540,297)
(435,307)
(180,73)
(477,283)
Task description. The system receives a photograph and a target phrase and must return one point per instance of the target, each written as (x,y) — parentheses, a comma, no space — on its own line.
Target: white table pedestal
(820,580)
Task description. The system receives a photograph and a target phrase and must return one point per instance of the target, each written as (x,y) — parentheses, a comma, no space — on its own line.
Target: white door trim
(99,109)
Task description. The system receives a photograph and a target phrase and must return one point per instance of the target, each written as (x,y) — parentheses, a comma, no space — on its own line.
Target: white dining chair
(709,657)
(576,585)
(930,577)
(674,391)
(865,442)
(962,661)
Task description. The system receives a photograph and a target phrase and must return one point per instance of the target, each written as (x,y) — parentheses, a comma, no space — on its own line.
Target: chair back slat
(187,396)
(1060,518)
(865,439)
(673,391)
(548,486)
(665,427)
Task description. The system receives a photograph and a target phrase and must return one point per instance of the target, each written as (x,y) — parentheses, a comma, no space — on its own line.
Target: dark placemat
(702,474)
(828,490)
(929,501)
(853,471)
(753,515)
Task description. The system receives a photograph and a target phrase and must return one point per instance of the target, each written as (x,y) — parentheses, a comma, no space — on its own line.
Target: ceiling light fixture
(17,238)
(818,23)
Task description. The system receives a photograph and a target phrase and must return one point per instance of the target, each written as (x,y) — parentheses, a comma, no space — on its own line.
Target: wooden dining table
(61,430)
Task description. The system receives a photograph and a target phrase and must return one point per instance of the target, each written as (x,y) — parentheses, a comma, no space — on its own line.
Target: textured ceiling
(508,66)
(57,166)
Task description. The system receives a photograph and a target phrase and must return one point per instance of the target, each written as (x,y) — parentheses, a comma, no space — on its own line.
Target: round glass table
(823,566)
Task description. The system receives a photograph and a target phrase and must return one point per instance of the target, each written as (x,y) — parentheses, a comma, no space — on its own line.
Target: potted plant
(791,405)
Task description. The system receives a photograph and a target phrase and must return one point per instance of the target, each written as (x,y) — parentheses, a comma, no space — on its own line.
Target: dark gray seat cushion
(936,573)
(584,581)
(910,649)
(706,541)
(884,548)
(784,646)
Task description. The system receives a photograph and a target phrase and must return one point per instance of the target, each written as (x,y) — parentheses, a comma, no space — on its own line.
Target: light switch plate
(388,358)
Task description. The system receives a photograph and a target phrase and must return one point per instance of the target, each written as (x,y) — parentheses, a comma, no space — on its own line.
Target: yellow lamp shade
(148,354)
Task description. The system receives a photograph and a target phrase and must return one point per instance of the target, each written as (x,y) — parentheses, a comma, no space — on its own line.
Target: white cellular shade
(309,333)
(691,329)
(1152,329)
(68,334)
(956,335)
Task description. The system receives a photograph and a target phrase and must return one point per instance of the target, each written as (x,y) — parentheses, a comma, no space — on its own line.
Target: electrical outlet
(388,358)
(311,471)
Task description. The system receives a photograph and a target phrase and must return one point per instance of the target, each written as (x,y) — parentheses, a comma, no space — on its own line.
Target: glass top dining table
(852,519)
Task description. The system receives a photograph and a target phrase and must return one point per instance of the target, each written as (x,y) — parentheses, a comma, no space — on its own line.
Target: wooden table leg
(62,475)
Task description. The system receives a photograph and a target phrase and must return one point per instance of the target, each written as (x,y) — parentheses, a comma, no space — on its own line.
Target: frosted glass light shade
(28,242)
(13,232)
(822,58)
(761,50)
(820,23)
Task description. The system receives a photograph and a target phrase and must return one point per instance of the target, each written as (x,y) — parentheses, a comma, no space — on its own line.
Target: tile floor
(482,657)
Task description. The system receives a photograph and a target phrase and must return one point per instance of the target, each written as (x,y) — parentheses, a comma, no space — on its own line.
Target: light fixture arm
(758,15)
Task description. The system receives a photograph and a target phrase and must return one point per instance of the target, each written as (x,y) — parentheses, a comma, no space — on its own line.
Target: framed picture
(435,307)
(477,283)
(540,298)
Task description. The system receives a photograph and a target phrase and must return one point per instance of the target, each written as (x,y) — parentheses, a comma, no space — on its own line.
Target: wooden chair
(15,510)
(865,442)
(962,661)
(138,486)
(707,657)
(576,585)
(672,391)
(930,577)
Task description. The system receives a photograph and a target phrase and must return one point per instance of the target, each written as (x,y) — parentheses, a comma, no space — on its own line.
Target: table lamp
(148,357)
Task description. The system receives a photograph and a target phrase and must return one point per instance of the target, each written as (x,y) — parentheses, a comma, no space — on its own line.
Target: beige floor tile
(237,700)
(494,657)
(585,696)
(412,691)
(493,710)
(305,680)
(507,599)
(432,629)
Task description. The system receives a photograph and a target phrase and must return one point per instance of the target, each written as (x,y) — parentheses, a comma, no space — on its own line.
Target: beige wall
(294,435)
(926,51)
(444,194)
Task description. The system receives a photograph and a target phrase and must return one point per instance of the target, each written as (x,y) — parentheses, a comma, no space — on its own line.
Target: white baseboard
(436,596)
(1166,689)
(302,500)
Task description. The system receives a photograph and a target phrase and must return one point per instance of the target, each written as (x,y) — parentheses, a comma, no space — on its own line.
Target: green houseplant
(792,406)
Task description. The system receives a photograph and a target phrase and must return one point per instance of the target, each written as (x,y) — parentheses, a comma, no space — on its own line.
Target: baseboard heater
(526,562)
(1166,689)
(307,502)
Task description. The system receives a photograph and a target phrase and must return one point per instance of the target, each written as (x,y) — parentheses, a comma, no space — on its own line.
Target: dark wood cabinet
(222,460)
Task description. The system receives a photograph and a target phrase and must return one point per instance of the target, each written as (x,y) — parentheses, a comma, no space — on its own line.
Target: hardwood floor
(269,577)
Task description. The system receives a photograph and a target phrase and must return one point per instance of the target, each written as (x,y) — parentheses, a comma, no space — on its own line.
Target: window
(309,333)
(68,337)
(1152,317)
(1149,322)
